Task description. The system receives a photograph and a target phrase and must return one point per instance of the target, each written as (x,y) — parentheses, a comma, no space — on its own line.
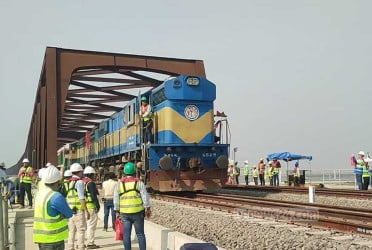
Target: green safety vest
(48,229)
(246,170)
(72,196)
(270,172)
(130,197)
(255,173)
(365,172)
(27,178)
(89,197)
(275,171)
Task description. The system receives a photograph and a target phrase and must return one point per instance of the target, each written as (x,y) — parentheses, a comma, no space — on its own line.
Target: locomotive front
(186,155)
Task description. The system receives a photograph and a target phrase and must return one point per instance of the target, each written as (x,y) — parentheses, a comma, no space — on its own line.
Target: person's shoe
(22,206)
(30,207)
(92,246)
(105,229)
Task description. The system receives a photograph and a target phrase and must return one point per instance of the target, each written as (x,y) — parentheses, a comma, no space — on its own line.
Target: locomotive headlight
(192,81)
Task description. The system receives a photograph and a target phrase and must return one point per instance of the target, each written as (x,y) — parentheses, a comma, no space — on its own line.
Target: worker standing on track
(270,173)
(92,205)
(275,172)
(261,171)
(246,172)
(77,224)
(358,169)
(296,174)
(366,176)
(237,173)
(26,172)
(231,173)
(255,175)
(51,213)
(132,203)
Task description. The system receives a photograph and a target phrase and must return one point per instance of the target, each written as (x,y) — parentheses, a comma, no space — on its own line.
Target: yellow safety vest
(255,173)
(26,178)
(48,229)
(89,197)
(297,173)
(130,197)
(365,172)
(72,196)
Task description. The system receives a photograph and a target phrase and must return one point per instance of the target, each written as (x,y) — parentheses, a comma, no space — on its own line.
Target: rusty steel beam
(63,103)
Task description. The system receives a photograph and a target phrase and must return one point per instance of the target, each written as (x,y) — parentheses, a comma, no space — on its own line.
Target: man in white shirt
(108,187)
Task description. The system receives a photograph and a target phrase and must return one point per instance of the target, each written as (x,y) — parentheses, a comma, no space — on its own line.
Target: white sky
(291,75)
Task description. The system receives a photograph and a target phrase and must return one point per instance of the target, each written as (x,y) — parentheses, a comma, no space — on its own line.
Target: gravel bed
(319,199)
(232,231)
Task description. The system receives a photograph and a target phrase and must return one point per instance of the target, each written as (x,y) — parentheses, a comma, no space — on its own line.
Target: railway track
(347,193)
(341,219)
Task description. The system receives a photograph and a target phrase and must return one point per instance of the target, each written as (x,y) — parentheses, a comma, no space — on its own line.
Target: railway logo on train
(181,145)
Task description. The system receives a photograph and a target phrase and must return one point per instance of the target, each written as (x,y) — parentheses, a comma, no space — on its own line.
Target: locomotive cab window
(129,114)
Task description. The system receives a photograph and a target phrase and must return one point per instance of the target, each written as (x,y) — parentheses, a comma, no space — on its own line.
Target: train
(190,140)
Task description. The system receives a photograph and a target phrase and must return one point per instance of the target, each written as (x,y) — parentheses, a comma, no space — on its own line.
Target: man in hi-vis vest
(51,213)
(131,202)
(25,174)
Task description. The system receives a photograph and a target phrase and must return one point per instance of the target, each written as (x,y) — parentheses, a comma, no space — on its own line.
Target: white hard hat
(67,173)
(51,175)
(89,170)
(25,160)
(48,164)
(246,162)
(76,167)
(361,153)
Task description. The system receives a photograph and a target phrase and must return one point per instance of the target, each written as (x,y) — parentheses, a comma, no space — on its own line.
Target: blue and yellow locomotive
(187,151)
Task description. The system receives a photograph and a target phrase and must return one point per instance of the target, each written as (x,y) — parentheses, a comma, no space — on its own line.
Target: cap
(296,164)
(25,160)
(361,153)
(51,175)
(48,164)
(89,170)
(67,173)
(261,159)
(246,162)
(2,165)
(144,99)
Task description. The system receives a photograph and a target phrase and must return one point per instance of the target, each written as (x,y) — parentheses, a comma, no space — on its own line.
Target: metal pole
(5,219)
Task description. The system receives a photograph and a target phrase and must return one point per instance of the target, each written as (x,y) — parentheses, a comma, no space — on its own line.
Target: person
(51,213)
(92,205)
(40,173)
(255,175)
(366,176)
(66,180)
(246,172)
(26,172)
(261,171)
(237,173)
(132,203)
(3,175)
(275,171)
(146,115)
(270,173)
(296,174)
(231,173)
(77,224)
(358,169)
(108,187)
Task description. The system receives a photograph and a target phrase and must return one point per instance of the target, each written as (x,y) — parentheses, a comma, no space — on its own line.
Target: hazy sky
(291,75)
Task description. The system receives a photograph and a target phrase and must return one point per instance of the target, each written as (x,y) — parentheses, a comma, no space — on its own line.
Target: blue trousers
(108,206)
(359,180)
(276,179)
(138,220)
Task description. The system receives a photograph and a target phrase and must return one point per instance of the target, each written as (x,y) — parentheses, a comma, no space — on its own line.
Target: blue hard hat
(144,98)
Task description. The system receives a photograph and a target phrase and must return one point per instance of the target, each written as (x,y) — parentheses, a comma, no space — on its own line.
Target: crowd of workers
(66,204)
(269,170)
